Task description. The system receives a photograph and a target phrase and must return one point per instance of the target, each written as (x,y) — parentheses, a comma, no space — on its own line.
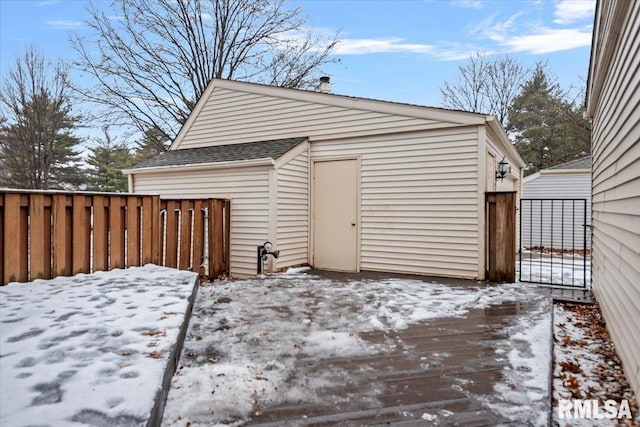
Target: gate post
(501,236)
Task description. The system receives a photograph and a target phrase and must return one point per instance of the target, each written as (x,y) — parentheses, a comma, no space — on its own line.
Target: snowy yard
(570,270)
(304,349)
(301,348)
(89,349)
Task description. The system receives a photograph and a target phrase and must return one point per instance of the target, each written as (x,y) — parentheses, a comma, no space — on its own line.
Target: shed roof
(583,163)
(271,149)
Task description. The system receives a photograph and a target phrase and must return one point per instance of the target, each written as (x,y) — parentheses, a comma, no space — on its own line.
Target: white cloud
(496,31)
(47,2)
(569,11)
(547,40)
(517,34)
(382,45)
(65,25)
(469,4)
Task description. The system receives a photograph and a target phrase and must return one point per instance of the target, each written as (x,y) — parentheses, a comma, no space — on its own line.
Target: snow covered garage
(338,182)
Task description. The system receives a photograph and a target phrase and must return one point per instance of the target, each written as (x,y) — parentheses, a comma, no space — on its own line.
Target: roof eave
(504,141)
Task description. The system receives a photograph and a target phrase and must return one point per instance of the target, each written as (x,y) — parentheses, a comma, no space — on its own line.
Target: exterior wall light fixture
(503,169)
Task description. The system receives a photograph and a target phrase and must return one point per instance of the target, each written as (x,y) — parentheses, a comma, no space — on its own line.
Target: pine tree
(547,129)
(106,161)
(153,142)
(37,144)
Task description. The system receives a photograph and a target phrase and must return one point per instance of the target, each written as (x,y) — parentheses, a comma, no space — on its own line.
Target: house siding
(614,103)
(419,200)
(293,211)
(237,117)
(557,186)
(249,194)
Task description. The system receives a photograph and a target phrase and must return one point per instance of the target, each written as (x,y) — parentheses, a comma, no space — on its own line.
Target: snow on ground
(89,349)
(586,363)
(523,394)
(245,337)
(546,269)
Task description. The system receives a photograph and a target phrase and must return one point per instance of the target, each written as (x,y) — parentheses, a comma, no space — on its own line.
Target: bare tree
(484,86)
(154,58)
(467,91)
(37,146)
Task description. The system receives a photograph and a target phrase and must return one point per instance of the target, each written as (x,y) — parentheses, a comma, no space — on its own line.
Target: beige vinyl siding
(616,183)
(247,189)
(557,186)
(233,116)
(419,200)
(293,211)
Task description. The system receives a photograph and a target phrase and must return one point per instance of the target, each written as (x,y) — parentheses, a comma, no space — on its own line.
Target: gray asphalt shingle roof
(272,149)
(583,163)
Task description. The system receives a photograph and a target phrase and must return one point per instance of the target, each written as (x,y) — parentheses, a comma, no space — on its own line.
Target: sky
(400,51)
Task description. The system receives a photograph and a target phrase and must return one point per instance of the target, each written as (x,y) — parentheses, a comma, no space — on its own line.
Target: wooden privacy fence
(49,234)
(501,236)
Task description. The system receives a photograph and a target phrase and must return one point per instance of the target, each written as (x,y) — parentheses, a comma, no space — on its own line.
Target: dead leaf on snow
(155,333)
(570,366)
(155,354)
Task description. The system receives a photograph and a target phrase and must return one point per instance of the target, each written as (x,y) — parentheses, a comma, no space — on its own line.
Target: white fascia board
(564,171)
(504,141)
(197,166)
(292,154)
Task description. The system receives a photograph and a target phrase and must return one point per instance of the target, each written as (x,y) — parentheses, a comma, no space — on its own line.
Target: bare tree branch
(154,58)
(484,86)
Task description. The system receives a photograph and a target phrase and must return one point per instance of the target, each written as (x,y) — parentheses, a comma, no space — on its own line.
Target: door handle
(353,224)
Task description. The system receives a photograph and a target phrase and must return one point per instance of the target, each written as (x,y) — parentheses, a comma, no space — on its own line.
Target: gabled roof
(452,117)
(583,163)
(272,149)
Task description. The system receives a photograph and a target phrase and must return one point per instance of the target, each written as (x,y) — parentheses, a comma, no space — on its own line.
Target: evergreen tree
(154,142)
(547,130)
(37,145)
(106,161)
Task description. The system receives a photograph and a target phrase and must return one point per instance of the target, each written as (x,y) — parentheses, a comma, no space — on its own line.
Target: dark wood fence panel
(49,234)
(501,236)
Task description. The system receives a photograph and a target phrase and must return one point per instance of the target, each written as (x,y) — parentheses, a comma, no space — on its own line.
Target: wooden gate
(501,236)
(45,234)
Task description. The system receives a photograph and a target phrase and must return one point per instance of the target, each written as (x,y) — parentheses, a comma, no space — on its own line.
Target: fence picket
(171,246)
(216,248)
(81,232)
(40,224)
(61,232)
(133,232)
(185,234)
(198,237)
(116,233)
(147,230)
(100,234)
(15,261)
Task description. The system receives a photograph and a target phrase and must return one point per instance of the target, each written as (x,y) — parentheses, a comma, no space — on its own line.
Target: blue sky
(395,50)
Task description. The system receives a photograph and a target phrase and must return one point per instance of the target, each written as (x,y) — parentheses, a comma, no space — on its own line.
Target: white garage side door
(335,199)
